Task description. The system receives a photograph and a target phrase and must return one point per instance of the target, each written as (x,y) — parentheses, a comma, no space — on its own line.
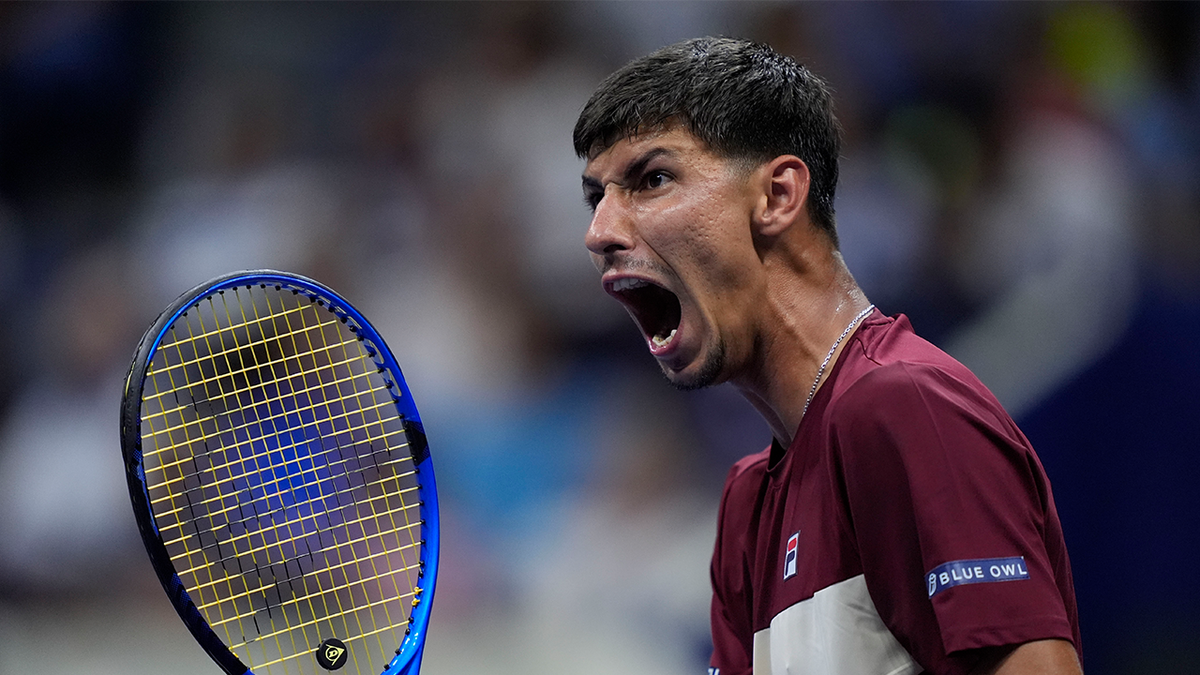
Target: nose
(611,229)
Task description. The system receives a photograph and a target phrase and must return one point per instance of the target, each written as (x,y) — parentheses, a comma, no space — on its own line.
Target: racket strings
(405,566)
(197,473)
(324,549)
(263,549)
(343,610)
(285,491)
(343,351)
(244,519)
(180,367)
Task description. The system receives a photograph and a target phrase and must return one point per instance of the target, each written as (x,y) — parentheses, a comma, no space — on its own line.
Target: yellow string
(350,362)
(226,362)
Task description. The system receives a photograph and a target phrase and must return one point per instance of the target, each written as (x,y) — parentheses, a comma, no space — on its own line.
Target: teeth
(627,283)
(660,341)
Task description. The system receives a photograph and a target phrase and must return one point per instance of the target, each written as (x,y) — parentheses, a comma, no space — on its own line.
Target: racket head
(267,430)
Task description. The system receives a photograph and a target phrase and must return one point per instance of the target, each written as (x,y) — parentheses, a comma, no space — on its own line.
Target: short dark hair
(744,100)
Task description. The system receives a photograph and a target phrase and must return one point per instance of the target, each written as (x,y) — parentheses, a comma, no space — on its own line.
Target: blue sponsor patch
(982,571)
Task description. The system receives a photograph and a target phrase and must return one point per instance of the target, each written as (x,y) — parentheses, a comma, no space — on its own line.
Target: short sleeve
(939,481)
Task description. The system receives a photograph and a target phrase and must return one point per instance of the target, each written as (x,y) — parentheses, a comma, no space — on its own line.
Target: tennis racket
(281,479)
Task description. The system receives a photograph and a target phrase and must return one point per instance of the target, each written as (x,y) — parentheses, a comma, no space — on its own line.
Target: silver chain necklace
(821,371)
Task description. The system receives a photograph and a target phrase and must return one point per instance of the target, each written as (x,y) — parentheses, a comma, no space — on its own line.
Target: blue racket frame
(408,656)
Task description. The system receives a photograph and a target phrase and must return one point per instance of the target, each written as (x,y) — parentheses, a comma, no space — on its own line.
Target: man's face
(671,236)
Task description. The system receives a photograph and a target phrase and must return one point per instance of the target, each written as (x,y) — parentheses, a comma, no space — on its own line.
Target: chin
(706,375)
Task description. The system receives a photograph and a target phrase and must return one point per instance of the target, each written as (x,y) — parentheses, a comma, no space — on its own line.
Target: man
(899,522)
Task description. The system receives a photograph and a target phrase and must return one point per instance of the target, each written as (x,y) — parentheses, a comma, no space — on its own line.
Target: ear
(783,195)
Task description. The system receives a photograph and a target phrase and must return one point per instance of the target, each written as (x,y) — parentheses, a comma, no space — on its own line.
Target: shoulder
(905,388)
(891,374)
(744,481)
(741,504)
(737,518)
(900,395)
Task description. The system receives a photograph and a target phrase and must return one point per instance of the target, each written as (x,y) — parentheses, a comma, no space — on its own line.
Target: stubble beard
(710,370)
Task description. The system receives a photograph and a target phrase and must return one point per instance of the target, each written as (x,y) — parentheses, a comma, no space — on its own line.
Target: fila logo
(789,556)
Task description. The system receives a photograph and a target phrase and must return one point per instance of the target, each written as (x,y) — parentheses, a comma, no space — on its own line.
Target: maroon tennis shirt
(908,523)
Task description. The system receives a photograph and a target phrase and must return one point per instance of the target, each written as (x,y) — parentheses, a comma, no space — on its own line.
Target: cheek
(717,245)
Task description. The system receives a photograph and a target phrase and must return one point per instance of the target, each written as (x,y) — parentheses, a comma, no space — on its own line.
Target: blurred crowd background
(1021,179)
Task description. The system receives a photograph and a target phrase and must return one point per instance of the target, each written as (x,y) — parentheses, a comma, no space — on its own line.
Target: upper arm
(943,491)
(1040,657)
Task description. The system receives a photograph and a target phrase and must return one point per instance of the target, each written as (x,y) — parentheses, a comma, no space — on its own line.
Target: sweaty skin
(669,213)
(762,294)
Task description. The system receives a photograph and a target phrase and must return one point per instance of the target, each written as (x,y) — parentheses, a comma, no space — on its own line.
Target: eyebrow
(632,171)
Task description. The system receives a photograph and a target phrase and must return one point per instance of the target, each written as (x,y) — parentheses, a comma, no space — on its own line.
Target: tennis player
(899,522)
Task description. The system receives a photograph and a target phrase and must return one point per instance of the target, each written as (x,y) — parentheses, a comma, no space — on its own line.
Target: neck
(807,313)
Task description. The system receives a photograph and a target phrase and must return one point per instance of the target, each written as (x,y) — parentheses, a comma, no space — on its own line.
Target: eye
(655,179)
(592,194)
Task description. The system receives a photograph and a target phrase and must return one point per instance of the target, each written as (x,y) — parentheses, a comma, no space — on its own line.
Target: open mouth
(656,310)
